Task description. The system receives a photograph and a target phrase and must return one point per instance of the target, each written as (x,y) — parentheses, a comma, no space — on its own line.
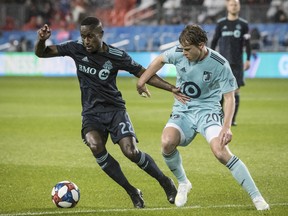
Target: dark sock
(112,168)
(145,162)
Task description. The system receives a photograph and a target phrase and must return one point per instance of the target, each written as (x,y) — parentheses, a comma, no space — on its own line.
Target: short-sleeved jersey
(204,81)
(231,36)
(97,74)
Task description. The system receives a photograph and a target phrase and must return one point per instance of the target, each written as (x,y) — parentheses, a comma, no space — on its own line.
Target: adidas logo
(85,59)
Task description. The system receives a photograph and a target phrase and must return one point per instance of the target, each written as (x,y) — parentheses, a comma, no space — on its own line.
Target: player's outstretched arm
(152,69)
(41,50)
(150,77)
(229,104)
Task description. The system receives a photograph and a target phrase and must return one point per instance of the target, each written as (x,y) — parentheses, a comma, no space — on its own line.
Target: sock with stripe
(146,162)
(112,168)
(174,162)
(242,176)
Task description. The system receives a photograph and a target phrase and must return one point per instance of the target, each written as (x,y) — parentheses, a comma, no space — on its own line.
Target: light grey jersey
(204,81)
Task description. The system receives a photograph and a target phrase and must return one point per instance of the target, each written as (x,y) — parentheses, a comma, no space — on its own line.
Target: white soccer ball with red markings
(65,194)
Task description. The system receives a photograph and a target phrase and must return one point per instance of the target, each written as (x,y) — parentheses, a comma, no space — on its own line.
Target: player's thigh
(121,127)
(93,131)
(210,122)
(184,125)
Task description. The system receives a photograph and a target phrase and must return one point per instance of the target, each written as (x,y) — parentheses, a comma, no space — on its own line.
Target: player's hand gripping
(225,136)
(142,90)
(179,95)
(44,33)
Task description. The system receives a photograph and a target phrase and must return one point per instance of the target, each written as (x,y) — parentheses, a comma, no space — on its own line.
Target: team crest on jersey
(207,76)
(108,65)
(104,73)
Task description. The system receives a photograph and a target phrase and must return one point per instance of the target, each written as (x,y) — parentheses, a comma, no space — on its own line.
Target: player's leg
(110,166)
(122,132)
(238,72)
(170,140)
(237,168)
(146,163)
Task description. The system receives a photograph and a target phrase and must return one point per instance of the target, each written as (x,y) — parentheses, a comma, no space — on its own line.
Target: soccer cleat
(137,198)
(183,190)
(170,189)
(234,123)
(260,203)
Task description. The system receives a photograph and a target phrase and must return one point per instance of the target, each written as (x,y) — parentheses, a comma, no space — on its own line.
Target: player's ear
(201,45)
(101,34)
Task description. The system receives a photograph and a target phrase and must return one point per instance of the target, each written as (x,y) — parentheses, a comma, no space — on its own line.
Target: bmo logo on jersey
(103,74)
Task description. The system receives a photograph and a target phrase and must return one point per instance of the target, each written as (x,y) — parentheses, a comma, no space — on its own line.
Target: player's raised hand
(44,33)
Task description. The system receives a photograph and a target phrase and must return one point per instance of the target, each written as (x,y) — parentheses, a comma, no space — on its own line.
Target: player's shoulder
(216,57)
(174,51)
(70,47)
(221,20)
(71,43)
(243,20)
(114,51)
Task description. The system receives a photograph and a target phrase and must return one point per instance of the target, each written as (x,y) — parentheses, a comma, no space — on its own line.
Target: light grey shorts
(208,122)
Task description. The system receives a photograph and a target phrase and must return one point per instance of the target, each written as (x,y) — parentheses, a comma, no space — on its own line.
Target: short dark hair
(93,22)
(193,35)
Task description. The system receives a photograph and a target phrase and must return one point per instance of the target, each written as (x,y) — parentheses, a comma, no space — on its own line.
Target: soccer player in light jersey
(103,108)
(232,33)
(203,75)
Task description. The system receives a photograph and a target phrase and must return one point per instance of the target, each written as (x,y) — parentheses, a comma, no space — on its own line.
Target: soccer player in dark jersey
(103,108)
(232,32)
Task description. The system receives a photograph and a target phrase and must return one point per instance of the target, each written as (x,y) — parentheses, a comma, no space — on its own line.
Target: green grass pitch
(40,145)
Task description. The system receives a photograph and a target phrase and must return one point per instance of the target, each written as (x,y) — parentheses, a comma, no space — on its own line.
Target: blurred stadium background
(40,117)
(137,26)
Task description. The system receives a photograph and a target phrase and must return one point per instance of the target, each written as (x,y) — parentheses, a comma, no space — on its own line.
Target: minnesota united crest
(207,76)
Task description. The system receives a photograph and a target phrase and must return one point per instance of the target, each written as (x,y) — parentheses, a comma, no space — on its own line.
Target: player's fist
(44,33)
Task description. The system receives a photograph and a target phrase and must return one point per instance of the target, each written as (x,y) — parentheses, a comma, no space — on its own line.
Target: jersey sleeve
(247,37)
(216,36)
(65,49)
(228,81)
(170,56)
(129,65)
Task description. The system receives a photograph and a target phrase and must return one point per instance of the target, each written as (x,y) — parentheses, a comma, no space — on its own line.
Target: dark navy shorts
(116,123)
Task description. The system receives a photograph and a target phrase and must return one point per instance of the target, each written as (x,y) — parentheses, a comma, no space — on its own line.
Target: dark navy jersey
(97,74)
(232,37)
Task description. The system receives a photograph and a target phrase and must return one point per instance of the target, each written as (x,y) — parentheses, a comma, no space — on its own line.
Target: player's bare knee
(95,146)
(130,152)
(168,145)
(96,149)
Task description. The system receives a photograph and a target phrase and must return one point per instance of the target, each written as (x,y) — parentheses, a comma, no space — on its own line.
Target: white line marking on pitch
(127,210)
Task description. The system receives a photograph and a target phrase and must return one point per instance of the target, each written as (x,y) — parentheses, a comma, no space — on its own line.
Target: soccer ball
(65,194)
